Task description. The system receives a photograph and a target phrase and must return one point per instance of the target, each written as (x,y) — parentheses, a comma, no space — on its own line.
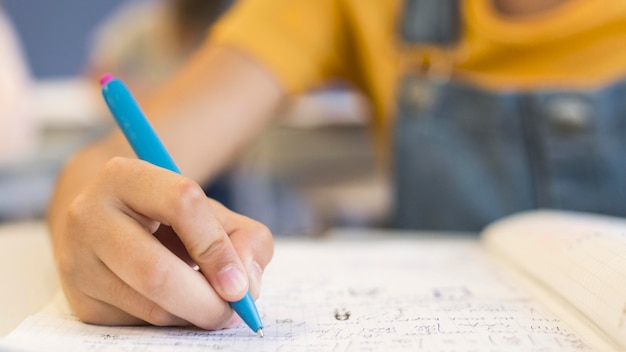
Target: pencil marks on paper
(415,298)
(363,298)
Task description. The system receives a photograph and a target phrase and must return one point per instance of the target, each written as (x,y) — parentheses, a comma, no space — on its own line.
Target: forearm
(217,104)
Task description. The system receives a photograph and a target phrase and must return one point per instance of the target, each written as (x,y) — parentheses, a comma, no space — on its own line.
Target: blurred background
(313,169)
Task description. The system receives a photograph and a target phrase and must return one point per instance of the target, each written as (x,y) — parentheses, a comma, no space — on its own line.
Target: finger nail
(232,280)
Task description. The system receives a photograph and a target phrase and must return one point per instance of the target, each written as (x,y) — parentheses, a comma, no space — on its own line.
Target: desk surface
(27,272)
(433,293)
(28,275)
(442,291)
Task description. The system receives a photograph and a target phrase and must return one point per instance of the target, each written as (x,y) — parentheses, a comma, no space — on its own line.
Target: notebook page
(389,295)
(581,257)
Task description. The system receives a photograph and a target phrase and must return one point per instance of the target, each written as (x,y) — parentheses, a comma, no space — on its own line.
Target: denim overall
(466,156)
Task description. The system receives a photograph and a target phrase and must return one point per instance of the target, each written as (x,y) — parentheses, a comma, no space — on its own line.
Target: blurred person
(499,105)
(144,42)
(18,130)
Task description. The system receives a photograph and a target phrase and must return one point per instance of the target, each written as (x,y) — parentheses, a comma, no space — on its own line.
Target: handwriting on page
(439,296)
(432,299)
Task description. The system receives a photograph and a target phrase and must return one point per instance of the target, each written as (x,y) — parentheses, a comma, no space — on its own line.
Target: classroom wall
(55,34)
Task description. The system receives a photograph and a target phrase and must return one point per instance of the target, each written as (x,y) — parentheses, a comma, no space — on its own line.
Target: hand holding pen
(148,147)
(115,272)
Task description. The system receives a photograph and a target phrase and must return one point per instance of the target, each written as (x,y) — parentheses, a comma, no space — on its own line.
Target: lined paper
(580,257)
(418,294)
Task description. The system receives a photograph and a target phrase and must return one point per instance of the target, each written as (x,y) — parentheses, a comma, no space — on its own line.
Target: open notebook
(539,281)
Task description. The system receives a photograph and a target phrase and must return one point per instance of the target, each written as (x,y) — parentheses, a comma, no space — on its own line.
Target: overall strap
(435,22)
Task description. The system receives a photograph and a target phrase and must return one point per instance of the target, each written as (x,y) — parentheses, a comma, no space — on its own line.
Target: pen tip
(260,332)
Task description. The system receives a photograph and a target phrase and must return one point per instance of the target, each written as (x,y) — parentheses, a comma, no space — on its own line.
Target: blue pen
(148,147)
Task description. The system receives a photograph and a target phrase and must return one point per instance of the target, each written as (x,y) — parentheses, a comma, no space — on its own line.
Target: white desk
(27,274)
(441,293)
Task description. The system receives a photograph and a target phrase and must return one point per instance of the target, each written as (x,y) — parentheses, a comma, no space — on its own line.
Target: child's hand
(115,271)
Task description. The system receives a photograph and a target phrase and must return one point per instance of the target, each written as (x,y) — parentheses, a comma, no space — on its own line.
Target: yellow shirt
(581,43)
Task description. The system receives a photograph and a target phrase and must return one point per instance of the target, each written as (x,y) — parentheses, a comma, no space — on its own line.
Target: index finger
(180,202)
